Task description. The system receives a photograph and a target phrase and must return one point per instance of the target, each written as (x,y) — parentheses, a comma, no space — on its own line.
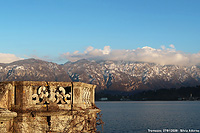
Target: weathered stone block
(49,106)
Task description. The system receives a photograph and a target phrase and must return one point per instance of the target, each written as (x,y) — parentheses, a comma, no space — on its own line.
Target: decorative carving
(43,94)
(46,95)
(86,95)
(35,99)
(61,96)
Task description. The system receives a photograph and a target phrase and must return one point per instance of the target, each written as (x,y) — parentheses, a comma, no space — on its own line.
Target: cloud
(172,46)
(45,58)
(163,46)
(8,58)
(163,56)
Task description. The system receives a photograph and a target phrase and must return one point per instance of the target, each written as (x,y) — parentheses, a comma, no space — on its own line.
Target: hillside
(107,75)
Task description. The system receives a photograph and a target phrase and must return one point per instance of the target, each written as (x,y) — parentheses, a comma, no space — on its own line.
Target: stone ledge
(6,115)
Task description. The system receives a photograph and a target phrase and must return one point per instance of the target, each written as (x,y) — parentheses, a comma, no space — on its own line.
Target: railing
(47,95)
(41,95)
(42,106)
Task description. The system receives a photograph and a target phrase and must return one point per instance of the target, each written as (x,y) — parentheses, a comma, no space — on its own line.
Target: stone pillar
(5,117)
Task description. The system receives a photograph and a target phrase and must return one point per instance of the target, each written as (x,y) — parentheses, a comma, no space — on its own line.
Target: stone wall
(49,106)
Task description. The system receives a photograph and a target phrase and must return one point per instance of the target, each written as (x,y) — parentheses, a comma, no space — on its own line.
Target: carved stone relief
(51,94)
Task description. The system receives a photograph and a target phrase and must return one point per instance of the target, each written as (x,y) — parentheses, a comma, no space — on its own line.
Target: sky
(159,31)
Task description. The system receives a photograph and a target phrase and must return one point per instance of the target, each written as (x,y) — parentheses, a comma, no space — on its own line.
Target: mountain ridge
(107,75)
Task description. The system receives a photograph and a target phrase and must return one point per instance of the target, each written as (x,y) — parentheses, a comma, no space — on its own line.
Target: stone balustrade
(41,106)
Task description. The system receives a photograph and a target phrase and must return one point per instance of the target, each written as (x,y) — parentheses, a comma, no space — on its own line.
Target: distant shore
(181,94)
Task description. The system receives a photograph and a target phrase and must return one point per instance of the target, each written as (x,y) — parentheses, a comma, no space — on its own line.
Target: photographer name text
(173,131)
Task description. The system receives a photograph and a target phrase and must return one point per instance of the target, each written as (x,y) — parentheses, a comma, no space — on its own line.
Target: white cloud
(75,52)
(106,50)
(163,46)
(172,46)
(8,58)
(163,56)
(90,48)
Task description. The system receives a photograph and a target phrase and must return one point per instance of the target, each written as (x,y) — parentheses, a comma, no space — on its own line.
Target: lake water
(150,116)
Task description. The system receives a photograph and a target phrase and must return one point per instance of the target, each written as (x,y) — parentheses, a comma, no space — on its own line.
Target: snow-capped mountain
(126,76)
(32,69)
(110,75)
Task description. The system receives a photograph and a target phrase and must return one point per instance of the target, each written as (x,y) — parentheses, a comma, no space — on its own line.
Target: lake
(150,116)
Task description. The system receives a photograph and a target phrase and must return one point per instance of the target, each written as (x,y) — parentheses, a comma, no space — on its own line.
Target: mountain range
(107,75)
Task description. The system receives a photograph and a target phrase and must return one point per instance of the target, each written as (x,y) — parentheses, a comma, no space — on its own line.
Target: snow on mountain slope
(110,75)
(121,75)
